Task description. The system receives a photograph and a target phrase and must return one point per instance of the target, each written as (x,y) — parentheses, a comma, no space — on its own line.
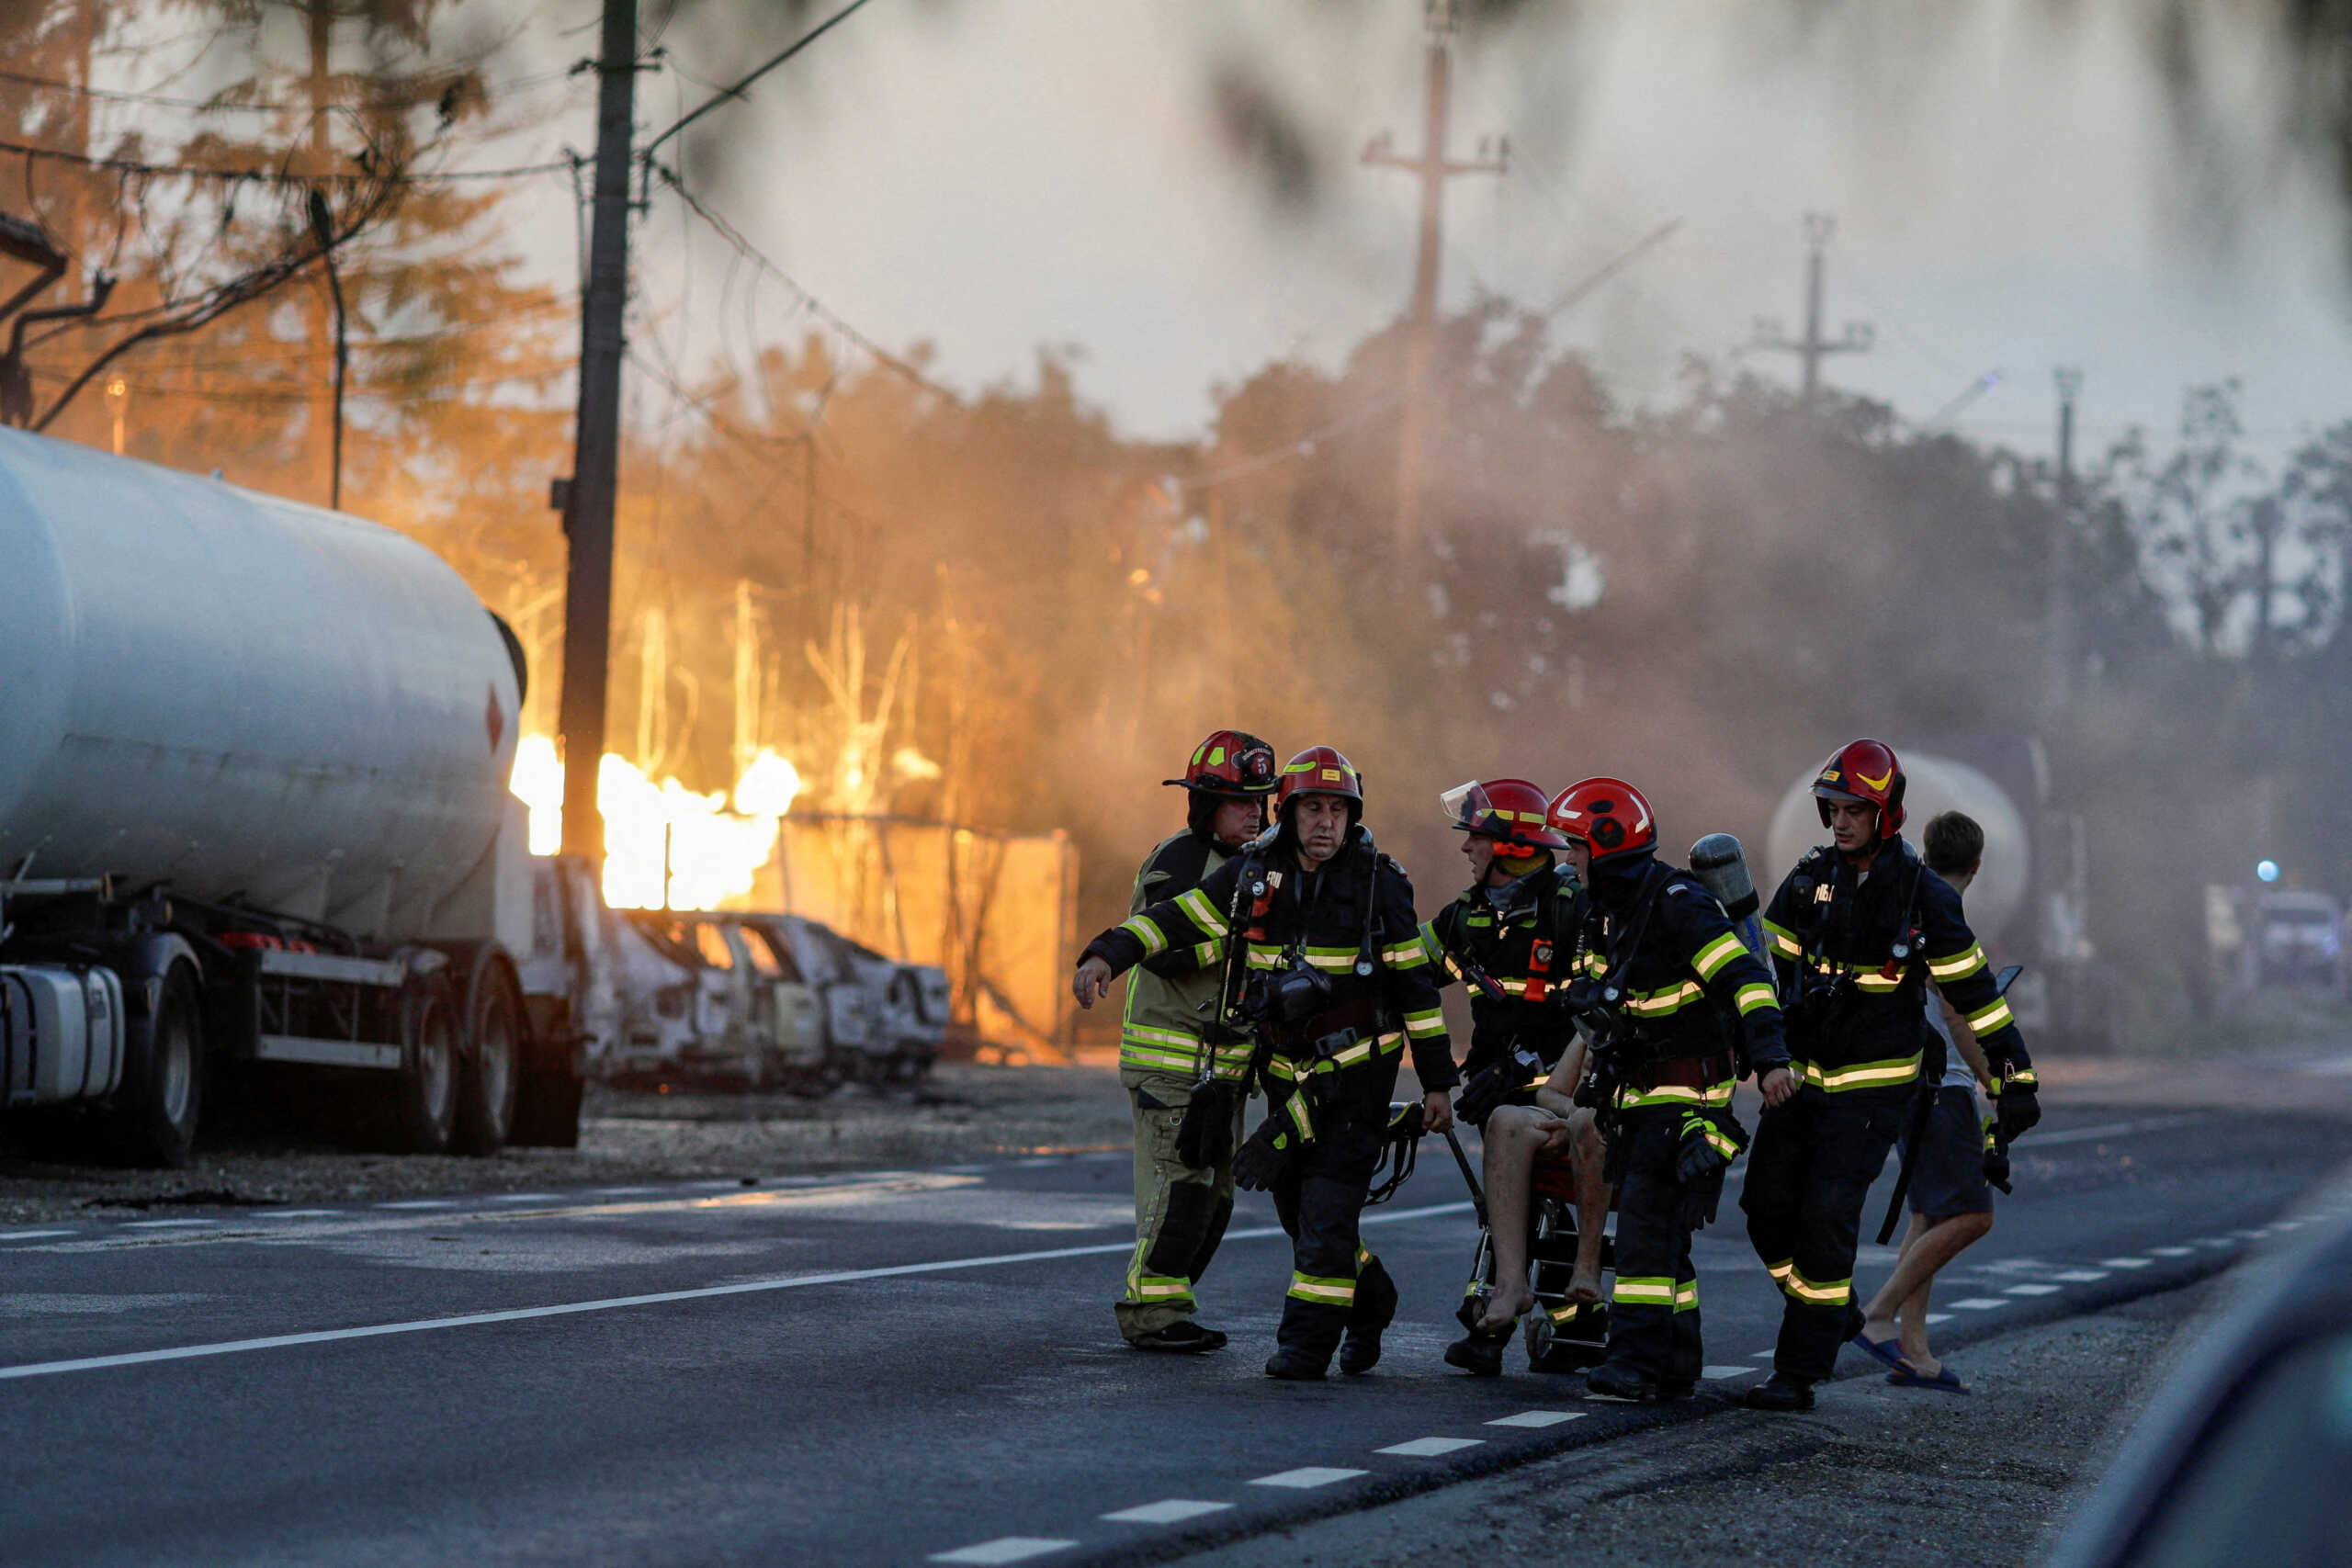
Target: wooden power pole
(587,498)
(1431,166)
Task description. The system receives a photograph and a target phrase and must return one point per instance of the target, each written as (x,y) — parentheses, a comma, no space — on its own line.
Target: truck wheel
(424,1090)
(153,1119)
(546,1110)
(486,1077)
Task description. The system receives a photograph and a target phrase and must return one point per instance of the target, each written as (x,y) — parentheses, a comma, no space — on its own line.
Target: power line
(815,307)
(728,95)
(272,177)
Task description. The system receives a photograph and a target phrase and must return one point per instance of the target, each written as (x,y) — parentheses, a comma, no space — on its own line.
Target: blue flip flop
(1885,1350)
(1945,1381)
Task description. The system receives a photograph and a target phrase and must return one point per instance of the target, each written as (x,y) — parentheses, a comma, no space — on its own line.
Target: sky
(994,177)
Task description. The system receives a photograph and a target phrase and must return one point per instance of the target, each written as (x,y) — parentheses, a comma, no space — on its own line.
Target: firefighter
(1172,1050)
(1678,1009)
(1508,936)
(1323,963)
(1858,930)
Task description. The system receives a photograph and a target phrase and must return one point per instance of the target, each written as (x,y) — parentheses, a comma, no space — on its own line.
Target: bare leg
(1511,1140)
(1879,1314)
(1594,1200)
(1931,1247)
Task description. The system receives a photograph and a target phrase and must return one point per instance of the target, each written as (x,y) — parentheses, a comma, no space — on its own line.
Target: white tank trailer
(254,828)
(2027,905)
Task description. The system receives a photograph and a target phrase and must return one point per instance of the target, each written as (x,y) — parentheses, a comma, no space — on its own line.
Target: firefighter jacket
(1522,937)
(1856,947)
(1352,923)
(1172,997)
(1687,990)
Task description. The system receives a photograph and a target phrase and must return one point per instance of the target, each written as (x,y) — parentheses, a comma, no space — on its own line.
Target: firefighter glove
(2017,1109)
(1479,1097)
(1259,1160)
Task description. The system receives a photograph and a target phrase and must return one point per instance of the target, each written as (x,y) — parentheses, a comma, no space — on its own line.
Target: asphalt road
(877,1368)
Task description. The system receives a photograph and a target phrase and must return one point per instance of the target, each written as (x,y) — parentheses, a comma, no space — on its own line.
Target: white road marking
(1004,1548)
(622,1192)
(656,1298)
(1716,1374)
(2125,1262)
(2222,1242)
(421,1204)
(1940,1317)
(1429,1447)
(1974,1303)
(2032,1290)
(1761,1354)
(2016,1266)
(164,1224)
(2172,1251)
(2251,1235)
(1307,1476)
(527,1198)
(1174,1511)
(297,1214)
(1539,1419)
(30,1235)
(2080,1276)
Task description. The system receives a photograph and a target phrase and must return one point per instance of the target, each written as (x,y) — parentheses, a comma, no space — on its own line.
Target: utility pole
(1813,348)
(2060,635)
(1431,166)
(587,497)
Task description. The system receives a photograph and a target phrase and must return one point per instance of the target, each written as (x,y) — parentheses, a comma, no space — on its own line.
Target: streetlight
(118,403)
(2267,871)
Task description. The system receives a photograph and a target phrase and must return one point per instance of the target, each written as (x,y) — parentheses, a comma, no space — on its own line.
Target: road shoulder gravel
(1875,1474)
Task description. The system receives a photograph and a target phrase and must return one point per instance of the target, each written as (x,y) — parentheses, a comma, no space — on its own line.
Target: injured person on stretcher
(1553,1131)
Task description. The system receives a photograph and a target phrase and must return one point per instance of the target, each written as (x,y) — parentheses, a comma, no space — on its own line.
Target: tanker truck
(2028,904)
(255,838)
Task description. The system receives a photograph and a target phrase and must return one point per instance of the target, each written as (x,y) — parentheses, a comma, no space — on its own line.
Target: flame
(665,846)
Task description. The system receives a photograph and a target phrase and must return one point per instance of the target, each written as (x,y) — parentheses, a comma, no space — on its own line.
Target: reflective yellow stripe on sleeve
(1421,1025)
(1958,965)
(1144,930)
(1709,959)
(1755,999)
(1783,940)
(1202,913)
(1994,1016)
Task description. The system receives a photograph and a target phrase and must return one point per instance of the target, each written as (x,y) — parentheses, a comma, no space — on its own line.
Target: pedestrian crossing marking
(1004,1548)
(1429,1447)
(1170,1511)
(1538,1418)
(1306,1477)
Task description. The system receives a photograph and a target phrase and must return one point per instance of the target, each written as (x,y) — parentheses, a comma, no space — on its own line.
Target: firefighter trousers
(1180,1211)
(1809,1173)
(1654,1307)
(1336,1283)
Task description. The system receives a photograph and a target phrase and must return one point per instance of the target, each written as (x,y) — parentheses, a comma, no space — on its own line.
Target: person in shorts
(1951,1206)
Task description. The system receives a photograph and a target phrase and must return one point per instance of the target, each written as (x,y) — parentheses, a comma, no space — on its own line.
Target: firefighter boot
(1183,1338)
(1623,1382)
(1374,1308)
(1480,1355)
(1781,1391)
(1291,1366)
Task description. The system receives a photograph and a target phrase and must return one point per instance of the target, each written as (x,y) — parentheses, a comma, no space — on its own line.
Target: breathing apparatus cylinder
(1720,866)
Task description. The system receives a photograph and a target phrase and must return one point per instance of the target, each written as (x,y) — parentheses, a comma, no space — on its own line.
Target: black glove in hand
(1261,1159)
(1479,1097)
(2017,1109)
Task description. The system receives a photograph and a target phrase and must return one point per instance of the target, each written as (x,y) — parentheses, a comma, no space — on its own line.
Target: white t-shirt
(1958,1074)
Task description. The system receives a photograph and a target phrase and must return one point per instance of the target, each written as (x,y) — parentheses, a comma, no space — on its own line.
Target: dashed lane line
(32,1235)
(420,1204)
(2127,1262)
(2080,1276)
(653,1298)
(2172,1251)
(1980,1303)
(1307,1477)
(167,1225)
(1170,1511)
(1004,1548)
(1539,1419)
(2033,1290)
(1429,1447)
(2111,1129)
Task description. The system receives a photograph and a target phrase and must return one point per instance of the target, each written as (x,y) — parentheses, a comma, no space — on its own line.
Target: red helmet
(1510,811)
(1230,762)
(1319,769)
(1608,816)
(1864,770)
